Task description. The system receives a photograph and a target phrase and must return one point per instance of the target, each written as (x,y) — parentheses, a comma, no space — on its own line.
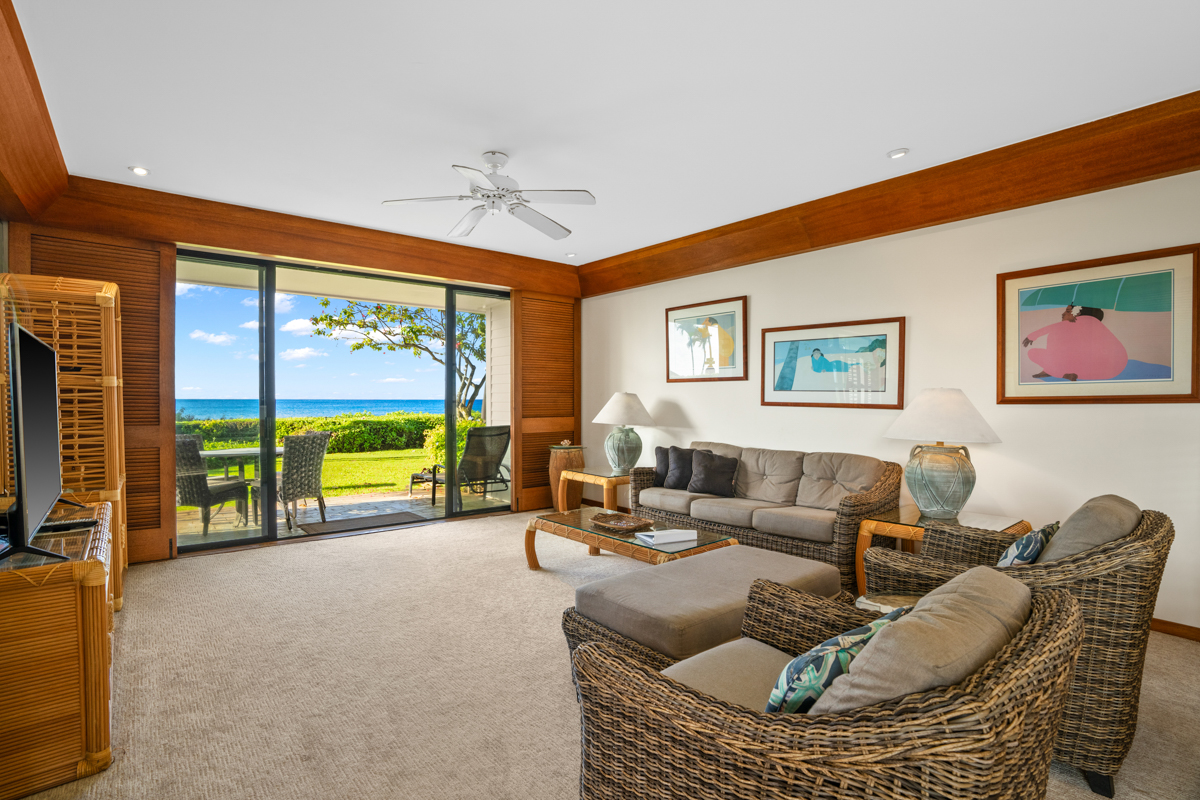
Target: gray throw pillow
(950,633)
(679,467)
(712,474)
(1099,521)
(662,465)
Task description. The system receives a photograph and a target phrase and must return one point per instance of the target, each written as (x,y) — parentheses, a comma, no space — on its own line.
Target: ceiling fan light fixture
(141,172)
(901,153)
(570,255)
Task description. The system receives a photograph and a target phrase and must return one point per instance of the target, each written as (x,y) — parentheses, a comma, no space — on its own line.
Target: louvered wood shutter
(145,273)
(546,402)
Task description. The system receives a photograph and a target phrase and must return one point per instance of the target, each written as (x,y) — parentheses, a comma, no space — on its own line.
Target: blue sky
(216,353)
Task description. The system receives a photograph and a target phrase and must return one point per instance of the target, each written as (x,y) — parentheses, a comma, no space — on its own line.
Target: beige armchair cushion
(1099,521)
(727,450)
(950,633)
(771,475)
(736,511)
(828,477)
(742,672)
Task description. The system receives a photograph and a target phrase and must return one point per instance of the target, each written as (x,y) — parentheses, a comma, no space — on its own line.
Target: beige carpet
(420,663)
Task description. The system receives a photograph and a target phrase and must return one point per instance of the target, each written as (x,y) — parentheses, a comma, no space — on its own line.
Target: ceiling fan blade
(539,221)
(468,222)
(476,177)
(578,197)
(427,199)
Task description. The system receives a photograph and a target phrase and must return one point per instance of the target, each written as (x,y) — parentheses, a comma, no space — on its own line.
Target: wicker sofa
(802,504)
(647,735)
(1116,585)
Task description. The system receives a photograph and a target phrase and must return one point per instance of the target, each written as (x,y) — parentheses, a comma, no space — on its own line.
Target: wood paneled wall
(145,273)
(546,391)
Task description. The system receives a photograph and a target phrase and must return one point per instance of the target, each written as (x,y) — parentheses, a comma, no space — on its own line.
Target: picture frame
(1131,336)
(856,364)
(708,341)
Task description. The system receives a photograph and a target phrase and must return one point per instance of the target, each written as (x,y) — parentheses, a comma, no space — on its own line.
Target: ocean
(248,409)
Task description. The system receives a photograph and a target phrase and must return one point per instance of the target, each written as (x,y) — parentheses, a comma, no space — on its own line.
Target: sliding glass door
(366,417)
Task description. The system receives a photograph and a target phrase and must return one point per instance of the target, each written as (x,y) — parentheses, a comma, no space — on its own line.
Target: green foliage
(182,417)
(435,439)
(352,433)
(420,331)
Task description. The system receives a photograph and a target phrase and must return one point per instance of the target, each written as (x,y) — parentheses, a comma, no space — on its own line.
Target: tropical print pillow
(1026,549)
(809,674)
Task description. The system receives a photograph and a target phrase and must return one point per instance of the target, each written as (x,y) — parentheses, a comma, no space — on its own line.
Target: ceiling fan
(501,193)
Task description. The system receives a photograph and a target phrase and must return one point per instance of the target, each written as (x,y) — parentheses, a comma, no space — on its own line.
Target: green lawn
(358,473)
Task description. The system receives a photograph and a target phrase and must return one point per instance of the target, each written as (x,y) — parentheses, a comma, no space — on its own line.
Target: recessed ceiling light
(570,255)
(141,172)
(901,153)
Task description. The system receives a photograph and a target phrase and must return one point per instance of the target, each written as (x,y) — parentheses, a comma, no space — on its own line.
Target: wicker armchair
(300,478)
(1116,585)
(854,508)
(193,487)
(645,735)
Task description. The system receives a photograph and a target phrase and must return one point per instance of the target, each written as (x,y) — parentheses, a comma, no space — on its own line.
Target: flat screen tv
(37,459)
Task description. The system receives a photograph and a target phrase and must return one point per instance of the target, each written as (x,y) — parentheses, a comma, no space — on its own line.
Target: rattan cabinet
(56,660)
(81,320)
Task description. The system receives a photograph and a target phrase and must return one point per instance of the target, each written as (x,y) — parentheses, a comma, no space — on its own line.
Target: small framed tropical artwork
(856,364)
(1111,330)
(707,341)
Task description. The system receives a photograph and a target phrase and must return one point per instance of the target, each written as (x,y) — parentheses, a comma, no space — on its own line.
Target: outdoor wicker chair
(194,488)
(300,478)
(646,735)
(480,467)
(1116,585)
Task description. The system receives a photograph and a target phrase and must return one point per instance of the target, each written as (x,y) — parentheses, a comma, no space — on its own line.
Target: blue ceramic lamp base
(940,479)
(623,448)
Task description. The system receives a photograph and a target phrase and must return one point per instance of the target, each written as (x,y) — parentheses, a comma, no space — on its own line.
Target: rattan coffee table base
(596,542)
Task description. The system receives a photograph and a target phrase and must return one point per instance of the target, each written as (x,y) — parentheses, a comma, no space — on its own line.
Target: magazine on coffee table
(666,537)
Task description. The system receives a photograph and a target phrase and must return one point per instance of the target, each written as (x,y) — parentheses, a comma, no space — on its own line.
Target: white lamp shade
(942,415)
(624,408)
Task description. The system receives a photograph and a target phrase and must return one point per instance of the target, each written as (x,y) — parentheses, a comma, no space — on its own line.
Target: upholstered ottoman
(666,613)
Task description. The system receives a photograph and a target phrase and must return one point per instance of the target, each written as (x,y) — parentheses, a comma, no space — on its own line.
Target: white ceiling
(678,116)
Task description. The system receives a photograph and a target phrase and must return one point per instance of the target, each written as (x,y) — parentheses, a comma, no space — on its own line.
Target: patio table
(239,453)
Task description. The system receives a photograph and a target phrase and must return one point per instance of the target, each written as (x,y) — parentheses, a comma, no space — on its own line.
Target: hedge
(352,433)
(435,439)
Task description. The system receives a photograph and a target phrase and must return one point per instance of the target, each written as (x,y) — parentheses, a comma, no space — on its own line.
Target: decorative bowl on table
(621,523)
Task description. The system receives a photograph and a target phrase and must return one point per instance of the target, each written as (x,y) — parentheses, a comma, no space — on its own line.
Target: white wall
(943,280)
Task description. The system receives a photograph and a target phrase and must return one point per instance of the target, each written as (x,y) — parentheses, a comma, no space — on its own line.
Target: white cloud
(189,388)
(213,338)
(251,325)
(254,357)
(299,366)
(298,327)
(301,353)
(394,380)
(183,289)
(283,302)
(353,374)
(429,369)
(250,302)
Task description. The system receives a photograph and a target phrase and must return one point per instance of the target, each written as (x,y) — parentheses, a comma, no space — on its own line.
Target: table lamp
(941,478)
(623,446)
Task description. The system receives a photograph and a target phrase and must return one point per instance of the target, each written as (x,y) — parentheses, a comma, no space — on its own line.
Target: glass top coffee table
(577,526)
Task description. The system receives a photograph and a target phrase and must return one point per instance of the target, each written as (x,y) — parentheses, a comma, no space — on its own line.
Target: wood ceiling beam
(1145,144)
(32,170)
(120,210)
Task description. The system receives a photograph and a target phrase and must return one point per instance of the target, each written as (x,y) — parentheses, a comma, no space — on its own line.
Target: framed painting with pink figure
(1110,330)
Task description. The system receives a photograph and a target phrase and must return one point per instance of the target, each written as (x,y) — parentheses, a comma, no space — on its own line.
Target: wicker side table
(905,524)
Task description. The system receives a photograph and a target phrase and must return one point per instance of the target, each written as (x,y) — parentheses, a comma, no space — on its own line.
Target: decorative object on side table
(1111,330)
(622,523)
(856,364)
(623,446)
(708,341)
(565,456)
(941,478)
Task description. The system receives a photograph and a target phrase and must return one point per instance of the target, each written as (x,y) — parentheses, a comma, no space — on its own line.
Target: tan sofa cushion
(687,606)
(677,501)
(727,450)
(828,477)
(798,522)
(742,672)
(950,633)
(1099,521)
(730,510)
(771,475)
